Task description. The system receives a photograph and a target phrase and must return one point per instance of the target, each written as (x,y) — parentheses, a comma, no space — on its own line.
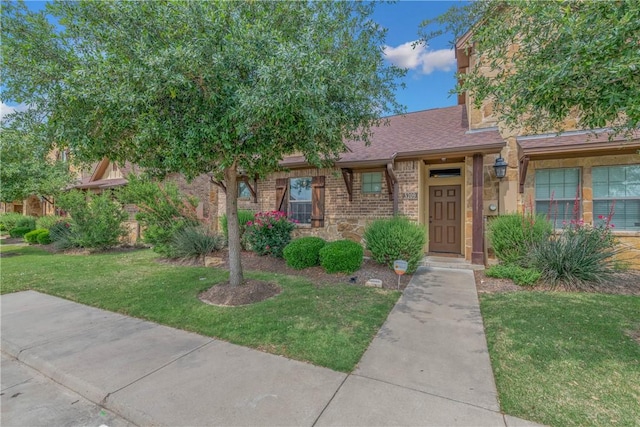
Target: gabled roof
(421,134)
(99,168)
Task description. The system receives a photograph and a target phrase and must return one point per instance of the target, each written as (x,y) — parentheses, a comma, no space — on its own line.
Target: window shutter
(317,201)
(281,193)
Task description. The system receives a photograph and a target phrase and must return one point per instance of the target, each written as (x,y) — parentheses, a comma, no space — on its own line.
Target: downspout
(394,181)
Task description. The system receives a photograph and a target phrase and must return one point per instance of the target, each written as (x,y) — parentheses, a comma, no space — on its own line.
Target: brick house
(436,167)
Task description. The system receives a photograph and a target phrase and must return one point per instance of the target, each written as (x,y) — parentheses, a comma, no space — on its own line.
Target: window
(371,182)
(243,190)
(619,185)
(556,193)
(300,200)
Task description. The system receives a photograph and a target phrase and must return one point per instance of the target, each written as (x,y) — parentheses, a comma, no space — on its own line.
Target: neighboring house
(105,175)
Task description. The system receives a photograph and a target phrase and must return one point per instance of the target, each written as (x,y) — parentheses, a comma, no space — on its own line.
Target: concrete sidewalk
(428,365)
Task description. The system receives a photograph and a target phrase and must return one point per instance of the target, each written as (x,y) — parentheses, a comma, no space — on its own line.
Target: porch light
(500,167)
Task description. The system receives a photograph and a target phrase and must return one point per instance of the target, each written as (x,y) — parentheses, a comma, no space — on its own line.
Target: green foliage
(214,87)
(513,235)
(195,242)
(44,238)
(244,216)
(396,239)
(19,231)
(32,236)
(552,74)
(26,168)
(97,219)
(8,220)
(578,257)
(48,221)
(520,275)
(343,256)
(303,252)
(269,233)
(26,222)
(163,211)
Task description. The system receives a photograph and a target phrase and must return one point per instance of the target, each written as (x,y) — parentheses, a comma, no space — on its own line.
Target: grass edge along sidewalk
(327,325)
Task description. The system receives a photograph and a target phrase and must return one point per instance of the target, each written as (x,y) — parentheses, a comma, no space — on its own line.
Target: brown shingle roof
(423,133)
(577,141)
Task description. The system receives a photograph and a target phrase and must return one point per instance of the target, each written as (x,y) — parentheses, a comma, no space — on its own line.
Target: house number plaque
(410,196)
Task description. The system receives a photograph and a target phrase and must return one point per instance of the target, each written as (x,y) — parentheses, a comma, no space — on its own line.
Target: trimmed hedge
(396,239)
(303,252)
(343,256)
(512,236)
(44,238)
(8,220)
(32,236)
(19,231)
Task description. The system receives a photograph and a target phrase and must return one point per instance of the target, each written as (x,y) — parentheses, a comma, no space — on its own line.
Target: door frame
(458,180)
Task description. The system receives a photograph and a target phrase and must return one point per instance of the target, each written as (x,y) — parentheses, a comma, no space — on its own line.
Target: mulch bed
(251,291)
(623,283)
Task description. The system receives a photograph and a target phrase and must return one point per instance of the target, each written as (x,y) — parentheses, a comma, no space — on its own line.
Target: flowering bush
(269,233)
(579,255)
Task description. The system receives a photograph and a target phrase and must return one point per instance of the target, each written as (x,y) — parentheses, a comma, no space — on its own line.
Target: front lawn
(327,325)
(566,359)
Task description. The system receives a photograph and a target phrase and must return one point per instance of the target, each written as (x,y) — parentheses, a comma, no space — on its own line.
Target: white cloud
(5,109)
(420,58)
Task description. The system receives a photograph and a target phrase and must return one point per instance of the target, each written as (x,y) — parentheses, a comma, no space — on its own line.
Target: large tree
(28,167)
(541,61)
(216,87)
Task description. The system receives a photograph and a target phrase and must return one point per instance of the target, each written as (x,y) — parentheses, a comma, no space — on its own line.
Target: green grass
(565,359)
(328,325)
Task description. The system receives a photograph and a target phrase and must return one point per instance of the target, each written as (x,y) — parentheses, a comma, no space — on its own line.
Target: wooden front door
(444,218)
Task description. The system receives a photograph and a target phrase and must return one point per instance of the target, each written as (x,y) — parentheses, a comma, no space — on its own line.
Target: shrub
(513,235)
(97,219)
(520,275)
(393,239)
(19,231)
(62,235)
(303,252)
(32,236)
(579,255)
(341,256)
(44,238)
(195,242)
(8,220)
(244,216)
(162,211)
(26,222)
(48,221)
(269,233)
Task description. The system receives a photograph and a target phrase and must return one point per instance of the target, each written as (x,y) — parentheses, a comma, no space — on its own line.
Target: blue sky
(431,68)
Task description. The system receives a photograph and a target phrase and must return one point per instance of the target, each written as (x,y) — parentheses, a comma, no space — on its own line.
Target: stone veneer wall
(343,219)
(630,240)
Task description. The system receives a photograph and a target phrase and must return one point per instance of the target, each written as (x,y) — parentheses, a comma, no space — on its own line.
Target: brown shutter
(281,193)
(317,201)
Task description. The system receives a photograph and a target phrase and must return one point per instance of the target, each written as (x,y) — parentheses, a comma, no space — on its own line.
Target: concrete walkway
(427,366)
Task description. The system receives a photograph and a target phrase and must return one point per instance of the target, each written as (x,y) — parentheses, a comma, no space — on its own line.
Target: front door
(444,218)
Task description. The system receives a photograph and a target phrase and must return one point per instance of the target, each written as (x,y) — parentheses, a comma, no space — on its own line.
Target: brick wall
(343,219)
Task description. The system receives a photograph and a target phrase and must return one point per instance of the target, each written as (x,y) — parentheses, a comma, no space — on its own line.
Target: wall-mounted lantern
(500,167)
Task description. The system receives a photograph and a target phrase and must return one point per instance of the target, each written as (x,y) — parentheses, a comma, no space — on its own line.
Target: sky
(431,68)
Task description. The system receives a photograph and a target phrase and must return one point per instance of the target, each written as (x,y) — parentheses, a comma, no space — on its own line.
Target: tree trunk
(235,265)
